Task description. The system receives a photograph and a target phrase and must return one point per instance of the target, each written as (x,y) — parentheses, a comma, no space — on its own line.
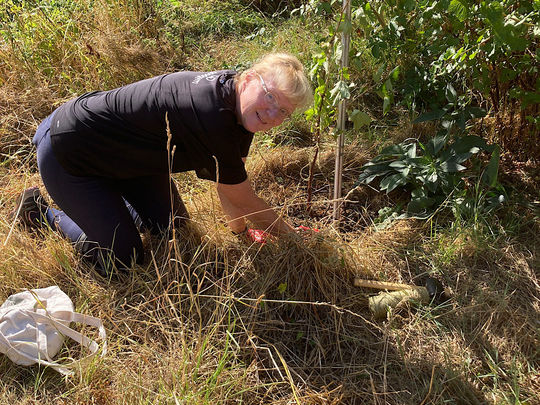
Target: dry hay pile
(211,317)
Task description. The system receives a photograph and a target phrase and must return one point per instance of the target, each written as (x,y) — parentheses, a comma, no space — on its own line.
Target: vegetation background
(212,319)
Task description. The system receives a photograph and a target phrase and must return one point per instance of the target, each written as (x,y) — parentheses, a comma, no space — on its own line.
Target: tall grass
(212,319)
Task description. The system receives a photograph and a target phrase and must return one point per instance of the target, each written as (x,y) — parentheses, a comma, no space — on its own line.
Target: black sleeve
(245,145)
(228,170)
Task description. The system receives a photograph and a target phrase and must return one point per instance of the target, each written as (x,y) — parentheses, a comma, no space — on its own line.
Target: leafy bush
(465,53)
(436,172)
(449,60)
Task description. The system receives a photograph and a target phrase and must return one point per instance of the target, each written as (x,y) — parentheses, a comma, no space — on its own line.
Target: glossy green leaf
(411,151)
(476,112)
(451,94)
(340,92)
(389,183)
(469,144)
(435,144)
(398,164)
(366,178)
(394,74)
(393,150)
(452,167)
(375,168)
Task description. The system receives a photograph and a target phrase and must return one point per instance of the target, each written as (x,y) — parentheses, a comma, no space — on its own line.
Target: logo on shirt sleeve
(210,77)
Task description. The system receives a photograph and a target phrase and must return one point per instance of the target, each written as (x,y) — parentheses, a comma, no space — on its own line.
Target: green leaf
(459,9)
(394,74)
(490,175)
(493,12)
(495,199)
(452,167)
(389,183)
(405,172)
(529,98)
(418,193)
(387,87)
(408,5)
(476,112)
(378,74)
(366,178)
(411,151)
(359,119)
(375,168)
(324,7)
(398,164)
(419,205)
(432,182)
(469,144)
(386,104)
(340,92)
(397,149)
(345,26)
(419,162)
(435,144)
(432,177)
(282,287)
(430,116)
(376,52)
(451,94)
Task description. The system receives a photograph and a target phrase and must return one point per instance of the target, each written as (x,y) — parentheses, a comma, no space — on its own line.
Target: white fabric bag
(33,324)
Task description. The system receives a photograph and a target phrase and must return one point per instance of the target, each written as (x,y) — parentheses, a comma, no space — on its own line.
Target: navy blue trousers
(103,217)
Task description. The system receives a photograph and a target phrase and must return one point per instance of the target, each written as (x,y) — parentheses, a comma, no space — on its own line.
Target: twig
(430,386)
(291,381)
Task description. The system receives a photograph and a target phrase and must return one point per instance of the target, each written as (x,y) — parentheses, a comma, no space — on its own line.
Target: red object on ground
(257,235)
(260,236)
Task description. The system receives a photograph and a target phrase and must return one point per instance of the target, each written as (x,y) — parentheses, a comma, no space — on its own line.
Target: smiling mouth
(260,119)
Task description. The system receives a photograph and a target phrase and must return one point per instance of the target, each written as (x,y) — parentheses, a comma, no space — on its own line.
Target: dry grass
(211,319)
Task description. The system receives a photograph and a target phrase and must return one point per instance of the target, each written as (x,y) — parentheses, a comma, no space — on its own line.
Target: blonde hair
(287,75)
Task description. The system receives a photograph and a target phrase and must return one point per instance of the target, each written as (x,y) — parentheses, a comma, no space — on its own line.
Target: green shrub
(436,173)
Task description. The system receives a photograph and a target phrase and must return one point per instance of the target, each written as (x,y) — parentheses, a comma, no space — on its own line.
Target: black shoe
(31,208)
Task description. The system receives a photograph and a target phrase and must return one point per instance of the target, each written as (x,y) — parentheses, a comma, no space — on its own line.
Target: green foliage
(447,50)
(436,172)
(451,61)
(332,81)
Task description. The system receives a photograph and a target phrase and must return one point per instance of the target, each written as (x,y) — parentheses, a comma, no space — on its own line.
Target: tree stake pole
(342,117)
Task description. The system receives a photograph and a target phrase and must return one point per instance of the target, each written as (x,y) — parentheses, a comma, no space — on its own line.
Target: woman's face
(260,109)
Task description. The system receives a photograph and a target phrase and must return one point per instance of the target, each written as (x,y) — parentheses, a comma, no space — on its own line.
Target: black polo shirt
(122,133)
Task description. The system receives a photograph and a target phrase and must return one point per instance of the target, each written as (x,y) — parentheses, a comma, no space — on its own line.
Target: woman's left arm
(239,201)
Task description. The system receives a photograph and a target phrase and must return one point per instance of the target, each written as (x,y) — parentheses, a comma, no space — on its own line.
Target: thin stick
(382,285)
(342,118)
